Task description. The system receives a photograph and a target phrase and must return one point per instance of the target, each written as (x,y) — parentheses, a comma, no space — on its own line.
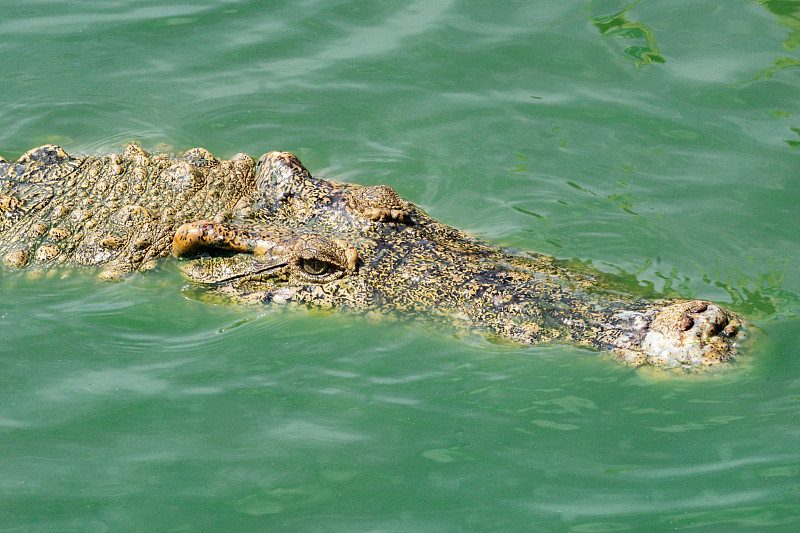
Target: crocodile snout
(692,333)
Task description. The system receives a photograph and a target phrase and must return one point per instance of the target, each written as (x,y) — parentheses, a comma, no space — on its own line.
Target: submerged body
(273,233)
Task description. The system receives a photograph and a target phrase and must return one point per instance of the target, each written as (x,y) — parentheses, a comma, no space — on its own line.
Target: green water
(659,140)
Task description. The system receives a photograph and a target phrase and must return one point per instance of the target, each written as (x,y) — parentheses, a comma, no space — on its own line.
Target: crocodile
(269,232)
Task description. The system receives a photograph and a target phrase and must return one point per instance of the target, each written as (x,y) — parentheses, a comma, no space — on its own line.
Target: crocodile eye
(315,267)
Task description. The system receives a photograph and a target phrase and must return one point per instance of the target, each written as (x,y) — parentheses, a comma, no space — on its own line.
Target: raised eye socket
(315,267)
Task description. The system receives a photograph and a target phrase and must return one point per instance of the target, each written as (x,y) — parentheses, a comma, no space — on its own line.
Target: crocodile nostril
(730,331)
(686,324)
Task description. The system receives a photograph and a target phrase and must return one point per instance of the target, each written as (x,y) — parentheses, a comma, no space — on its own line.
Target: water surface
(655,141)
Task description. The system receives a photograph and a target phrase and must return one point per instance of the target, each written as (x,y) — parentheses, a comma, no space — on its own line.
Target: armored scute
(271,233)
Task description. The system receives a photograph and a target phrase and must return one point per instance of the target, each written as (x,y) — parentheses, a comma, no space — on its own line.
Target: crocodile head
(312,241)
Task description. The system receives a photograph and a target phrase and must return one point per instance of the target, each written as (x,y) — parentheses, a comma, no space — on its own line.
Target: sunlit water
(658,141)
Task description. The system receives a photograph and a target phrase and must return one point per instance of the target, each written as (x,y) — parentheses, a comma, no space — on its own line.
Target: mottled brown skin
(411,265)
(118,213)
(276,234)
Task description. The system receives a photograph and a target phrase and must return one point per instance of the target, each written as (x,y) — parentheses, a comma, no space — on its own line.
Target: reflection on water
(787,14)
(762,295)
(778,64)
(619,26)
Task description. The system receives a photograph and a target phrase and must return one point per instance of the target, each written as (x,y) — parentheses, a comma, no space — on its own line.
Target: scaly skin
(116,213)
(408,264)
(277,234)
